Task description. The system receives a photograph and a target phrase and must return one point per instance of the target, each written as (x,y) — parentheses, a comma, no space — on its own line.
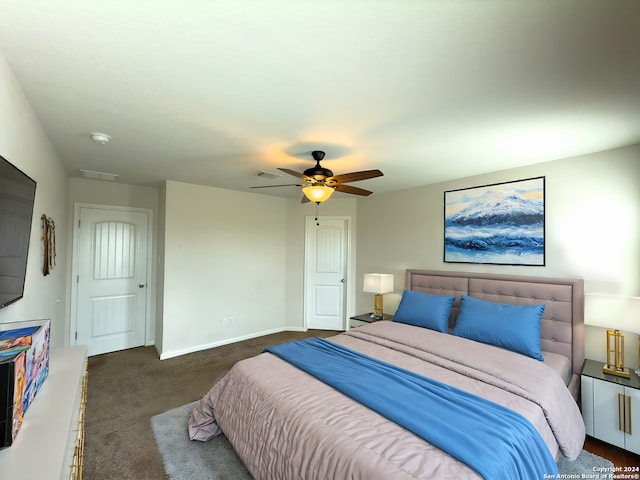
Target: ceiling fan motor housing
(317,172)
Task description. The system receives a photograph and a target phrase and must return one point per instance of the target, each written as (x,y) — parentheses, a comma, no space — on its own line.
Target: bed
(284,423)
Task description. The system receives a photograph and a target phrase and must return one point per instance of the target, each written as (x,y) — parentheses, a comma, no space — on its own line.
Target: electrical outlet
(227,321)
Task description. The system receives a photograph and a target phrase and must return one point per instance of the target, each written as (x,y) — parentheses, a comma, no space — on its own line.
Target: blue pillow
(514,327)
(425,310)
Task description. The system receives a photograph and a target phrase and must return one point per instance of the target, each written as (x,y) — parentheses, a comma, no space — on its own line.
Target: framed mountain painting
(499,224)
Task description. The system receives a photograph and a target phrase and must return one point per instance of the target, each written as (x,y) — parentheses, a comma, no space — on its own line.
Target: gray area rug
(216,460)
(185,459)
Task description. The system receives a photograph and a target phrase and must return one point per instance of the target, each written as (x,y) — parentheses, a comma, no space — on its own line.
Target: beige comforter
(284,424)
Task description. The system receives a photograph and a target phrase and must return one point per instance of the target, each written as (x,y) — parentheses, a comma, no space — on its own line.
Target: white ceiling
(211,92)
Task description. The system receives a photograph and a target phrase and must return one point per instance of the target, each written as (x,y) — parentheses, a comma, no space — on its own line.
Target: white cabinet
(50,438)
(611,407)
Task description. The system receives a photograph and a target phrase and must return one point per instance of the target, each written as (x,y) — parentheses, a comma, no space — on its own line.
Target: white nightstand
(610,404)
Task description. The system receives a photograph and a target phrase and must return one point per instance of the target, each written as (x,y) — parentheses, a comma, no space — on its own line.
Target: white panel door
(112,279)
(325,274)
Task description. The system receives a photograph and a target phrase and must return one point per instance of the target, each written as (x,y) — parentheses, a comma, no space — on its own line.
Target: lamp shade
(318,193)
(612,311)
(378,283)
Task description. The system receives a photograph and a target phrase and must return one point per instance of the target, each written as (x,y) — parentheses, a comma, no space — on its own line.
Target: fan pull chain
(317,213)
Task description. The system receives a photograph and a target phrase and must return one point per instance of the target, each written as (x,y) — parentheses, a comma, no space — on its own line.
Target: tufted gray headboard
(562,328)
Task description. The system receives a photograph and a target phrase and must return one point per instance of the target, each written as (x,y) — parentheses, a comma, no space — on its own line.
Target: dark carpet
(127,388)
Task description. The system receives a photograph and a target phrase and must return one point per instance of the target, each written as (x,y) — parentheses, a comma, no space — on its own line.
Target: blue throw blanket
(495,441)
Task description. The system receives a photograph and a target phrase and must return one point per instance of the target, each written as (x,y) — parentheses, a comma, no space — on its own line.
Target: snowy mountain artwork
(500,224)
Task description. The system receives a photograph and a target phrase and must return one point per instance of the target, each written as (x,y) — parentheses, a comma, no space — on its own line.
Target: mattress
(559,364)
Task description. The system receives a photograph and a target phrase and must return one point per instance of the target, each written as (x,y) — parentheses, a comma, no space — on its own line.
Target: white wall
(231,254)
(24,144)
(159,292)
(592,206)
(224,257)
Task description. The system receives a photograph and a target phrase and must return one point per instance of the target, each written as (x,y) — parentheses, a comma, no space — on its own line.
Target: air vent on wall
(110,177)
(264,174)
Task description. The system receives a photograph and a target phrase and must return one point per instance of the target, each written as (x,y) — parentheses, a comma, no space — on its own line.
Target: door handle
(627,416)
(624,414)
(141,285)
(621,412)
(342,280)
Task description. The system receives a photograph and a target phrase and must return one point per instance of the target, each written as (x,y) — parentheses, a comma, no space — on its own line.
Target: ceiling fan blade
(352,190)
(355,176)
(283,185)
(304,199)
(295,174)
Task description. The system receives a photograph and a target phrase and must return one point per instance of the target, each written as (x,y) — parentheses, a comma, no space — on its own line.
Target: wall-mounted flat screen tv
(17,193)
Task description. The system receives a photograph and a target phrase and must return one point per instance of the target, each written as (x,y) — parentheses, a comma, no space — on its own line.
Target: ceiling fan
(320,183)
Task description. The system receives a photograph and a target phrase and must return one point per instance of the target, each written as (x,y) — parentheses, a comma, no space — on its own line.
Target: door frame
(350,268)
(73,324)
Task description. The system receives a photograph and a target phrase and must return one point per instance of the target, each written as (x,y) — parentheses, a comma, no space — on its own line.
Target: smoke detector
(101,138)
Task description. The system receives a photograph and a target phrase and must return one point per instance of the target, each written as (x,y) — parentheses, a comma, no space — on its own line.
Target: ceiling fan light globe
(318,193)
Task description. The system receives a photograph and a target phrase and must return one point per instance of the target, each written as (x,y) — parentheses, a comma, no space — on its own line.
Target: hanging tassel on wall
(49,240)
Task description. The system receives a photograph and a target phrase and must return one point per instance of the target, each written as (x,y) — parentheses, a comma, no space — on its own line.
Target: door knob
(141,285)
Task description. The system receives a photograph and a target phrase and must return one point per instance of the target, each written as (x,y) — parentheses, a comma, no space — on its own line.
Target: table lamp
(379,284)
(616,313)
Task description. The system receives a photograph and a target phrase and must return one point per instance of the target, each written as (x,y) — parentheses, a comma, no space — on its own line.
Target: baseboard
(226,341)
(294,329)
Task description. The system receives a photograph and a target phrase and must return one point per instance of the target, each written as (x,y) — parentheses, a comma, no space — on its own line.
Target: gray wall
(592,206)
(24,144)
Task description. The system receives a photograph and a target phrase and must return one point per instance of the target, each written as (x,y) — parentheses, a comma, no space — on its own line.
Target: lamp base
(612,370)
(377,306)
